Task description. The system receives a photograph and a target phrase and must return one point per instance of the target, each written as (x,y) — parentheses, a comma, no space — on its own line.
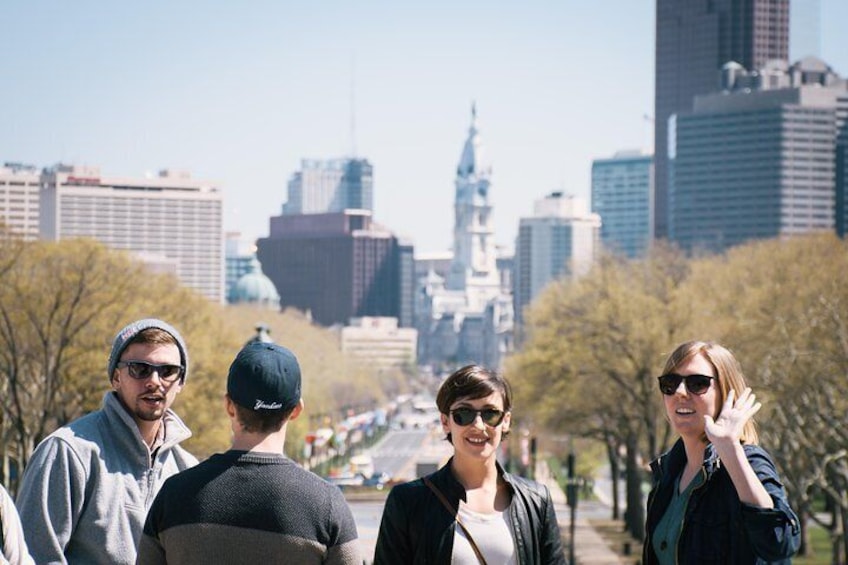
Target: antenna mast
(353,105)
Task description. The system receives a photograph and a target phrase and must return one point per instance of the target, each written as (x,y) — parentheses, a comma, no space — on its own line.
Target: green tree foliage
(62,303)
(592,353)
(57,301)
(595,346)
(788,322)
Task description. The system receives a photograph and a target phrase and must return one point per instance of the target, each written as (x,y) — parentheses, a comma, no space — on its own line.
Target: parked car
(377,480)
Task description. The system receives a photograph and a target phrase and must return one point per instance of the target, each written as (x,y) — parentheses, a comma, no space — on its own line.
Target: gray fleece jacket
(85,494)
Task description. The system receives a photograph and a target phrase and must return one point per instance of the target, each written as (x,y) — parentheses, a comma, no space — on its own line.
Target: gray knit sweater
(247,507)
(86,491)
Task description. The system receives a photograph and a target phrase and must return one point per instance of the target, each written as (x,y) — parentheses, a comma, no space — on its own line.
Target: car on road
(378,480)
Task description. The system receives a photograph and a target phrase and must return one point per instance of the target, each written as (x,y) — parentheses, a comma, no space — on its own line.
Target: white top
(491,533)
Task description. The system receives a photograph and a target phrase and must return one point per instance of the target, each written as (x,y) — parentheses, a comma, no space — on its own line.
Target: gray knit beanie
(132,330)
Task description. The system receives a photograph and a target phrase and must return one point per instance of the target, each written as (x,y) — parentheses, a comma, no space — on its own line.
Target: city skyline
(240,95)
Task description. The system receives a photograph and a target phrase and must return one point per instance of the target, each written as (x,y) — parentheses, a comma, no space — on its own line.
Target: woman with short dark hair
(471,511)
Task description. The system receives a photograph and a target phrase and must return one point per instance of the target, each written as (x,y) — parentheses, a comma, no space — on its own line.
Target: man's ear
(229,406)
(296,410)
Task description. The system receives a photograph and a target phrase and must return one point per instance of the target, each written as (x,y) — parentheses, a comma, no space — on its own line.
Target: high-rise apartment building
(20,185)
(694,39)
(760,159)
(338,266)
(842,174)
(560,240)
(622,194)
(168,220)
(331,185)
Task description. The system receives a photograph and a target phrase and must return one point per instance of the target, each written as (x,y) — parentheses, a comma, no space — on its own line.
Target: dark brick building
(338,266)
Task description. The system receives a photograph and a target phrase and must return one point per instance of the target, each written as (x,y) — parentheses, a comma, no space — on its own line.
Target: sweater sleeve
(150,549)
(51,498)
(345,549)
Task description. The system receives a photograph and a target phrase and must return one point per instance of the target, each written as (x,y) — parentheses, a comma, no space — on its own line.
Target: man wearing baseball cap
(252,504)
(86,491)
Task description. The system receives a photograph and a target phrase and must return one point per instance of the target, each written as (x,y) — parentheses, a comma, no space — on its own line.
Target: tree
(593,350)
(62,303)
(56,301)
(783,306)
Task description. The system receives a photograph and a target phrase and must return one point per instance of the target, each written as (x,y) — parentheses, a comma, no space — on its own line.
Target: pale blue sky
(240,92)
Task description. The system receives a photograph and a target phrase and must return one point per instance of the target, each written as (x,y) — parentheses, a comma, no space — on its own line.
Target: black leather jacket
(718,527)
(417,528)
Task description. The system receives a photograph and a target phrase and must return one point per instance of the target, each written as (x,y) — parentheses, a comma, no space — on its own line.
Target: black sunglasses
(143,370)
(695,384)
(465,416)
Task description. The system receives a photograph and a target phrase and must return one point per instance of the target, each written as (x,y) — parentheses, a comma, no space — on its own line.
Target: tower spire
(474,261)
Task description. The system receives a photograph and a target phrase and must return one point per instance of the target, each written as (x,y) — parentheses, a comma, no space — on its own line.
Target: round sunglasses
(695,384)
(465,416)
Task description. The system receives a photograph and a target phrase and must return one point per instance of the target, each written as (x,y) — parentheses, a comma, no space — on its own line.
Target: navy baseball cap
(264,377)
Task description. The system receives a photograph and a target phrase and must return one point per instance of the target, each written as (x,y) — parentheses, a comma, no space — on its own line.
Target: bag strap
(455,513)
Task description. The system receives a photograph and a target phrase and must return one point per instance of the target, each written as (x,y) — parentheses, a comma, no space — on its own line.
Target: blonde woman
(716,495)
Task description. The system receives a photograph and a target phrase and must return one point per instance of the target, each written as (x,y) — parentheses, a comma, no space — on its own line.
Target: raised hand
(732,418)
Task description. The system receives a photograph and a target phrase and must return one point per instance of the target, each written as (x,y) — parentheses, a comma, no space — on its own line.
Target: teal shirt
(668,529)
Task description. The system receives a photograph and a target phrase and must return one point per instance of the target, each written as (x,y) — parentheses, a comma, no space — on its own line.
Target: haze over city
(240,93)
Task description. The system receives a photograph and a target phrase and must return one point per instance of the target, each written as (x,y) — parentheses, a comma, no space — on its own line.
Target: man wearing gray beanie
(85,493)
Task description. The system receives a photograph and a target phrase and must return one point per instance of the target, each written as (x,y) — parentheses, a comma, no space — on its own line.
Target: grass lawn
(613,533)
(821,546)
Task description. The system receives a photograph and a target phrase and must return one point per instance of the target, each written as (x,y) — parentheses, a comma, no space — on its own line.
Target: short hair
(264,421)
(728,373)
(154,336)
(471,382)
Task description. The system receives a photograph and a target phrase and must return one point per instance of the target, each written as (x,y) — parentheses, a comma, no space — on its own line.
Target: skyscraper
(622,194)
(169,220)
(330,185)
(560,240)
(760,159)
(694,39)
(20,185)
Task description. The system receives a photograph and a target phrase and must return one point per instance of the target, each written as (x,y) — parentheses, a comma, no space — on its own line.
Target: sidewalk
(589,547)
